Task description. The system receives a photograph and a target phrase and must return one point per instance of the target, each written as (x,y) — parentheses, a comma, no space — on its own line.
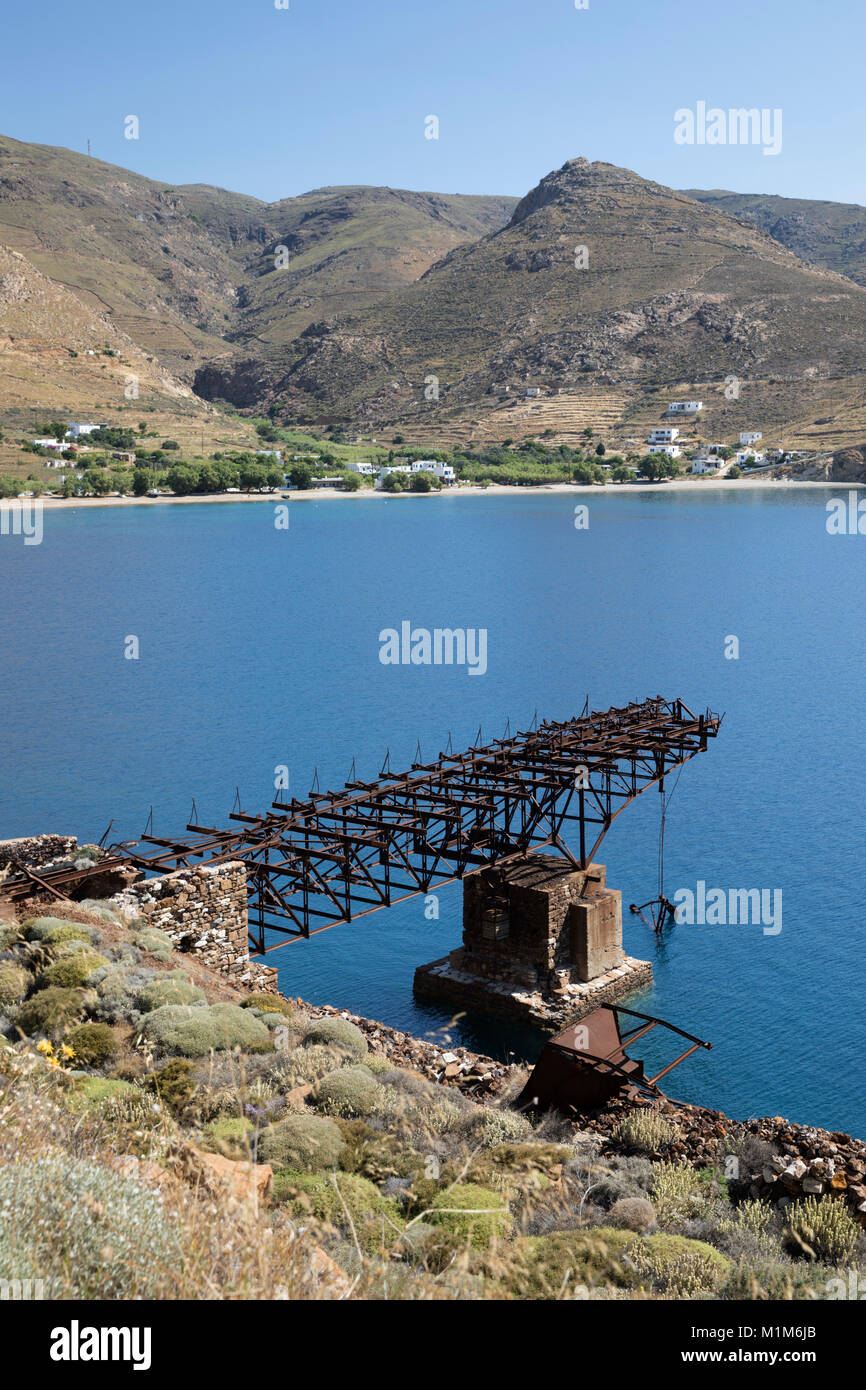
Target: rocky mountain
(385,305)
(601,275)
(832,235)
(185,271)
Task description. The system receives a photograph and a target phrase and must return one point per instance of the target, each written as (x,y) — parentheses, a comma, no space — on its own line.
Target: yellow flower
(67,1052)
(45,1047)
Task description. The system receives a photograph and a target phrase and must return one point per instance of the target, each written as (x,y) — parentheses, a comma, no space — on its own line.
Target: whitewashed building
(77,428)
(685,407)
(672,450)
(750,437)
(388,469)
(663,436)
(706,463)
(444,472)
(364,467)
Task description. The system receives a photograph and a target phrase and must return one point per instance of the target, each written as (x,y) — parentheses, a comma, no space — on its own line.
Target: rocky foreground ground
(164,1133)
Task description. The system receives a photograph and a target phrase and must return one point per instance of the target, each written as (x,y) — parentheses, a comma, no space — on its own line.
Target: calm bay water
(260,648)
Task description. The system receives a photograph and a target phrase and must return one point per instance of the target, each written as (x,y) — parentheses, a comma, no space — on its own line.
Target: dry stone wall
(204,911)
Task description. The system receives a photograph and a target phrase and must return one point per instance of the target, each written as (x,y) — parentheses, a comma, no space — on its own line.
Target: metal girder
(338,855)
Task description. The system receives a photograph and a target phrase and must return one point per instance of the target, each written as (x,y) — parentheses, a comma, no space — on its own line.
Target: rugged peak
(574,180)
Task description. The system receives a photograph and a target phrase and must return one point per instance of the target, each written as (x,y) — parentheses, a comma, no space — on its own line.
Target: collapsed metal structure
(587,1065)
(339,855)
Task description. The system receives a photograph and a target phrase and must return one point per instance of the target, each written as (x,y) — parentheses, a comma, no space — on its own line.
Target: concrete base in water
(542,942)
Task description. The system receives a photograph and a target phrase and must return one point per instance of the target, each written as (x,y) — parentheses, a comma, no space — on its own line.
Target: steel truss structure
(339,855)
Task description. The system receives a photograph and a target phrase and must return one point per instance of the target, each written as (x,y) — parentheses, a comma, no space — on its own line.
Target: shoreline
(495,490)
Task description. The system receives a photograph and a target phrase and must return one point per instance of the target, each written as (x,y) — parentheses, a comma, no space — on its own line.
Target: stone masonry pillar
(541,940)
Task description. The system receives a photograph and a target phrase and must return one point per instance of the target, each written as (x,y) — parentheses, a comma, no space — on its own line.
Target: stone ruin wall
(37,850)
(204,912)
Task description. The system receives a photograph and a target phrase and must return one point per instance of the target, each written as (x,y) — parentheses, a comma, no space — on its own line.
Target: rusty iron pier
(338,855)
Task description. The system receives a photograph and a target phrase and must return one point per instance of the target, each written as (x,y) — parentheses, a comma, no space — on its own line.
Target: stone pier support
(542,941)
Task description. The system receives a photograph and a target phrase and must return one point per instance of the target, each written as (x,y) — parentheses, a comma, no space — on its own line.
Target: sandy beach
(495,490)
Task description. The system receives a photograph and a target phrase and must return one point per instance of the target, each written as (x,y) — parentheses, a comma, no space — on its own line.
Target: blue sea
(259,648)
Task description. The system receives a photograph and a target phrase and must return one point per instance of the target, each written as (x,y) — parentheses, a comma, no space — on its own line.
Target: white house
(270,454)
(51,444)
(444,472)
(743,454)
(77,429)
(750,436)
(362,466)
(662,436)
(672,450)
(685,407)
(388,469)
(532,392)
(706,463)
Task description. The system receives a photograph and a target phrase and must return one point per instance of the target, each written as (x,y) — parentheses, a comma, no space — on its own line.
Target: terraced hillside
(673,292)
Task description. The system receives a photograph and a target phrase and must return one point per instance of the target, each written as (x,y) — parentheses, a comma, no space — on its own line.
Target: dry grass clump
(645,1131)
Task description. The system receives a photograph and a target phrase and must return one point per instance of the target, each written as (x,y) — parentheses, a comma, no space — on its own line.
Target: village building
(662,436)
(685,407)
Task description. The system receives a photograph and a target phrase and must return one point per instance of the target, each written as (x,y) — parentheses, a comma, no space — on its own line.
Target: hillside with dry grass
(166,1134)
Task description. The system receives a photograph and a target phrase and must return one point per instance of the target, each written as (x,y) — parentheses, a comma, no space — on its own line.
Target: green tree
(600,450)
(395,482)
(253,475)
(301,476)
(182,479)
(351,482)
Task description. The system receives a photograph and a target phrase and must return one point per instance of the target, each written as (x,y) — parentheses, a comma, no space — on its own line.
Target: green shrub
(194,1030)
(767,1281)
(172,988)
(491,1127)
(229,1135)
(269,1003)
(307,1065)
(555,1266)
(9,933)
(51,1010)
(351,1204)
(351,1091)
(92,1043)
(339,1031)
(645,1131)
(377,1156)
(96,908)
(73,971)
(85,1230)
(477,1214)
(56,929)
(117,991)
(823,1228)
(14,982)
(377,1064)
(155,943)
(301,1142)
(677,1267)
(173,1083)
(676,1193)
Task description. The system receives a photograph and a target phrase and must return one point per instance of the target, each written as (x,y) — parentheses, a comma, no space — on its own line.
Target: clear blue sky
(274,102)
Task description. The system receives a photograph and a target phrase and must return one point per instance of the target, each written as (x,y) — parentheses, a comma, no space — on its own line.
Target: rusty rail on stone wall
(338,855)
